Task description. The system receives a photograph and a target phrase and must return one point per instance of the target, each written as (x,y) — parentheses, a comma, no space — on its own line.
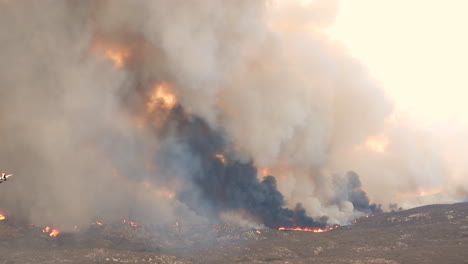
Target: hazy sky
(417,49)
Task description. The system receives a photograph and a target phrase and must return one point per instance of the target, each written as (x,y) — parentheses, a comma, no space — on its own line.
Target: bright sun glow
(416,49)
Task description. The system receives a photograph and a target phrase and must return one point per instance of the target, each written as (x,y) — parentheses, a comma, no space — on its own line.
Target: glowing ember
(2,216)
(258,232)
(221,158)
(54,233)
(118,57)
(307,229)
(131,223)
(162,96)
(366,216)
(97,223)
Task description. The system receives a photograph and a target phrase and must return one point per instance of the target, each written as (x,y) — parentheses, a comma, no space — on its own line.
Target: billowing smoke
(159,110)
(218,184)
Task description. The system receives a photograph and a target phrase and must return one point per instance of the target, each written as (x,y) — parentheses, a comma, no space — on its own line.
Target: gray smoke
(213,186)
(257,81)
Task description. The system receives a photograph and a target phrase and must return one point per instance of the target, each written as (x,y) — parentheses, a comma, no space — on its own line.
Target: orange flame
(315,230)
(2,216)
(221,158)
(52,231)
(116,53)
(131,223)
(117,56)
(97,223)
(366,216)
(162,96)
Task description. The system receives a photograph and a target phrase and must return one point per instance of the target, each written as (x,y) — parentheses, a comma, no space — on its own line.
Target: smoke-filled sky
(167,109)
(416,49)
(417,52)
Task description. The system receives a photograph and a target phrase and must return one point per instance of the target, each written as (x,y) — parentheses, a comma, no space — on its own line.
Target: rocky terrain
(429,234)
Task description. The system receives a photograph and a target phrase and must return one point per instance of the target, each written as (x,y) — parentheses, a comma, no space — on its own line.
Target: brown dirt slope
(429,234)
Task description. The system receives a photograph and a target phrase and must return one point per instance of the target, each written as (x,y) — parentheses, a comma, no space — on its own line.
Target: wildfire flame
(366,216)
(52,231)
(115,52)
(161,95)
(2,216)
(131,223)
(221,158)
(97,223)
(118,57)
(307,229)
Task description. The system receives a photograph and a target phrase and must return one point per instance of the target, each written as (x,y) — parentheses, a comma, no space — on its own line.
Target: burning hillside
(398,237)
(168,111)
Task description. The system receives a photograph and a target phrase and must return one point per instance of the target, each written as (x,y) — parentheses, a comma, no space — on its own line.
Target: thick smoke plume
(159,110)
(219,184)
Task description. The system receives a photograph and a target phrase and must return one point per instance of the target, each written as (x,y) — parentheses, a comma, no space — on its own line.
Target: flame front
(162,96)
(2,216)
(131,223)
(308,229)
(358,219)
(54,233)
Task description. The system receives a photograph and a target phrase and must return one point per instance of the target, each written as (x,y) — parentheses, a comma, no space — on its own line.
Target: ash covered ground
(429,234)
